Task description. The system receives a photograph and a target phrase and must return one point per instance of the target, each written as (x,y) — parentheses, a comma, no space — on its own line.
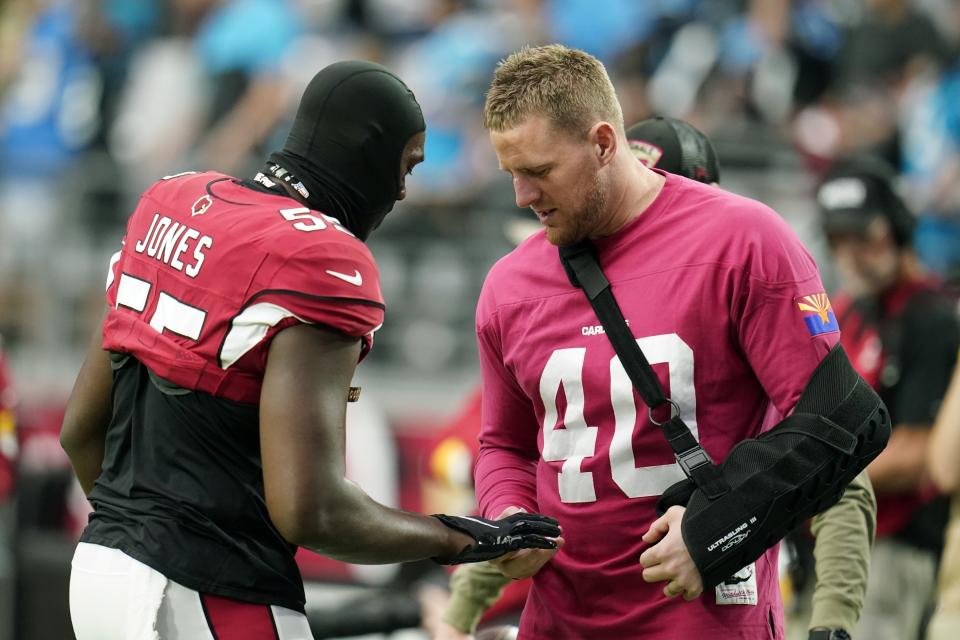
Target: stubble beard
(584,221)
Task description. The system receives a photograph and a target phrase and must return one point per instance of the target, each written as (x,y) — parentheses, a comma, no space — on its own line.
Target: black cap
(675,147)
(858,190)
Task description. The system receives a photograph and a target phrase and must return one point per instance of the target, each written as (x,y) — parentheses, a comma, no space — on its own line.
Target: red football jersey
(211,270)
(729,309)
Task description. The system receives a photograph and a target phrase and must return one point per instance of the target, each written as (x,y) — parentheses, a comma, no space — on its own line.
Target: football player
(727,305)
(843,534)
(207,422)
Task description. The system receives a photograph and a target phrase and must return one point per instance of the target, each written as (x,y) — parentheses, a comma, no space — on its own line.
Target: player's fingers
(548,528)
(657,530)
(677,510)
(656,574)
(532,517)
(536,547)
(672,589)
(535,517)
(692,594)
(651,557)
(533,541)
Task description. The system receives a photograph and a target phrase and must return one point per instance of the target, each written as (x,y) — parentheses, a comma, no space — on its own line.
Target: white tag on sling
(740,588)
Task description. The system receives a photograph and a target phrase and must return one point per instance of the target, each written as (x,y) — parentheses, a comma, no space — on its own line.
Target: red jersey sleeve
(333,284)
(786,325)
(336,285)
(506,469)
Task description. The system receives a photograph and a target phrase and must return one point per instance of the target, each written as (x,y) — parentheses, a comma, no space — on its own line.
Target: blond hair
(568,86)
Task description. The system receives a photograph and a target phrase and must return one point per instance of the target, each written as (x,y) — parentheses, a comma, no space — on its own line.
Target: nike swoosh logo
(356,279)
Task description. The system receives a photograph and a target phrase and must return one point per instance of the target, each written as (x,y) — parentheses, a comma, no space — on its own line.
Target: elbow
(82,430)
(70,440)
(294,524)
(67,443)
(294,533)
(302,523)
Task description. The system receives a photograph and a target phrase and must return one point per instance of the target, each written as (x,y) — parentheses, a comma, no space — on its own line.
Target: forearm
(505,472)
(352,527)
(474,588)
(844,536)
(902,466)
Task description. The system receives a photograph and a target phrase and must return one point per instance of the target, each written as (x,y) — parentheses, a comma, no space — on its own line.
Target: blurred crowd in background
(98,98)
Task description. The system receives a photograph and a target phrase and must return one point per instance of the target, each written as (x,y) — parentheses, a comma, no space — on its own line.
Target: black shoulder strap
(580,262)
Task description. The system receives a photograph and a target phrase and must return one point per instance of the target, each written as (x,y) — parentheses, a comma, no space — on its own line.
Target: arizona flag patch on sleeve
(817,313)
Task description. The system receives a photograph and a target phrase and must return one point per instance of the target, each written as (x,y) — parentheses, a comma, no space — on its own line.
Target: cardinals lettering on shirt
(169,241)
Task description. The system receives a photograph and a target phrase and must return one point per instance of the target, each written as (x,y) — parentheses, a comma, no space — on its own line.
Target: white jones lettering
(142,244)
(198,255)
(159,231)
(169,241)
(189,236)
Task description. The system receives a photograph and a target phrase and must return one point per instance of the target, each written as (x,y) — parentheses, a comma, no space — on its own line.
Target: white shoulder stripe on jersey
(249,328)
(114,259)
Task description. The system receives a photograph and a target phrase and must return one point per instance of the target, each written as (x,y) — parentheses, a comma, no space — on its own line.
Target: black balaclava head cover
(343,151)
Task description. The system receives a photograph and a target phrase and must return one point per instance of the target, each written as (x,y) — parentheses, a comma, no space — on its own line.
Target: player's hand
(495,538)
(526,562)
(668,559)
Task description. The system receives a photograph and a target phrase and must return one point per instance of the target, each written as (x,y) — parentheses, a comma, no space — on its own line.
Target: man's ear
(603,137)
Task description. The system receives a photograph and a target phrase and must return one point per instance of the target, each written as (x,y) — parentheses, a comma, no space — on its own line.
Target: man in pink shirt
(725,303)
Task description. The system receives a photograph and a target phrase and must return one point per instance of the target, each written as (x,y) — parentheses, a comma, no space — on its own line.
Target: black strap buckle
(693,459)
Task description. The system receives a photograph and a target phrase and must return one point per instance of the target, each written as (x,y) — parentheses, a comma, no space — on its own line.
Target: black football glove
(493,538)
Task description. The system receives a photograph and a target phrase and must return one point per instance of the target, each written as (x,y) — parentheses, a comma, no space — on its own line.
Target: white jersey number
(571,439)
(303,219)
(171,314)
